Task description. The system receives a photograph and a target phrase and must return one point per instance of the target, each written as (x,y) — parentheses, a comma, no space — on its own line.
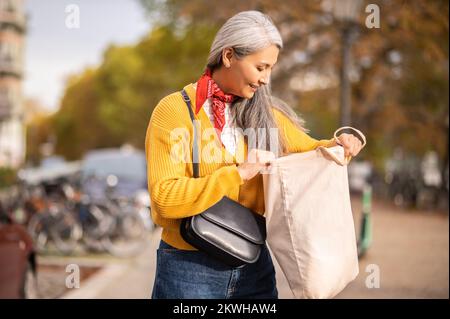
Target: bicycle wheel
(38,231)
(66,232)
(97,223)
(127,237)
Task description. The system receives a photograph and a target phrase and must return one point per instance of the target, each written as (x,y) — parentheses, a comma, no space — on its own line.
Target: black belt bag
(227,230)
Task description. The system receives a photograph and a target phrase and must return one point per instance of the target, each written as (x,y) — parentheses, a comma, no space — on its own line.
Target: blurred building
(12,36)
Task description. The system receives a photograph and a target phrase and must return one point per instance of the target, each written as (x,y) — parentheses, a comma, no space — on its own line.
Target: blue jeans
(185,274)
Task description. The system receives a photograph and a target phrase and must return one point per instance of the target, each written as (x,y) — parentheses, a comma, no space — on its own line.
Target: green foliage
(396,103)
(7,177)
(112,104)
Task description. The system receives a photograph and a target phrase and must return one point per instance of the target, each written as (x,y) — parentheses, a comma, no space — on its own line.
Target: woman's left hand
(351,144)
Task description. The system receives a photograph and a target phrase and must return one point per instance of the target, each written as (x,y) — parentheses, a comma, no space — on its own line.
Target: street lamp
(346,13)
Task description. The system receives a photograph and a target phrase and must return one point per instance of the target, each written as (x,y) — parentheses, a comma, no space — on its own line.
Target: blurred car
(17,261)
(126,166)
(50,172)
(123,168)
(52,161)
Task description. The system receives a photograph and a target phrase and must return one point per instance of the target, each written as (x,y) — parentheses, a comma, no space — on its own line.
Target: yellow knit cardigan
(174,193)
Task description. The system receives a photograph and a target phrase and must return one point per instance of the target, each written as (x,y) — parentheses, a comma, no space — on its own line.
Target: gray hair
(248,32)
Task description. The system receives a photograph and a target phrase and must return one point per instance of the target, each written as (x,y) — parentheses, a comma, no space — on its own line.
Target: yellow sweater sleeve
(296,139)
(173,194)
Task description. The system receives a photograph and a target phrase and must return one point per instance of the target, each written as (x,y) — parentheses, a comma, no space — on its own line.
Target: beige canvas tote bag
(310,228)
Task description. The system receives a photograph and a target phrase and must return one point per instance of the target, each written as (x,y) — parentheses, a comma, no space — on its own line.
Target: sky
(54,50)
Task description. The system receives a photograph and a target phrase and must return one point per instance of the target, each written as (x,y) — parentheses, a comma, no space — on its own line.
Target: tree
(111,104)
(399,72)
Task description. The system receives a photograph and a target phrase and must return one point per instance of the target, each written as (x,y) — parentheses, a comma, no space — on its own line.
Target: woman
(232,95)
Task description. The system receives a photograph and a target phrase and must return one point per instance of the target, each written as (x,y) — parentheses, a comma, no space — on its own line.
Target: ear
(227,57)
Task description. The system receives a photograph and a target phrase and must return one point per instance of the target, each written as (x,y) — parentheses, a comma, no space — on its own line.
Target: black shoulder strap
(194,144)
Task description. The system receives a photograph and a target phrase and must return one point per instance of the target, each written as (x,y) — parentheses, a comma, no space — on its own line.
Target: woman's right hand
(256,161)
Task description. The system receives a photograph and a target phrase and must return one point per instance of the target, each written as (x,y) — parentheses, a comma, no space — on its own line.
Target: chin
(248,95)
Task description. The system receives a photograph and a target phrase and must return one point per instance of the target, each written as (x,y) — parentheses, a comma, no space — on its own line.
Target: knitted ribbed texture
(174,193)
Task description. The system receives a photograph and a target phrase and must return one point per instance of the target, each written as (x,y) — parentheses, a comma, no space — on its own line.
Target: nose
(263,81)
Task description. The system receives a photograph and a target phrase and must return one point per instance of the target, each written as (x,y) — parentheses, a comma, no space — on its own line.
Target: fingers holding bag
(257,161)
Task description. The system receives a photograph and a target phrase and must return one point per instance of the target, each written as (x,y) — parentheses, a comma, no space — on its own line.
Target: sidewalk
(410,248)
(128,280)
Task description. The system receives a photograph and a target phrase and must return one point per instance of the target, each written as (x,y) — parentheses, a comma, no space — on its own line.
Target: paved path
(410,248)
(131,279)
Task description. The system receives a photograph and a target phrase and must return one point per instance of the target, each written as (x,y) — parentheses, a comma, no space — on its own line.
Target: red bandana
(206,88)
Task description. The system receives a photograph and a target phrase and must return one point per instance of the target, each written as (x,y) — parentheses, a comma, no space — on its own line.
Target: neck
(220,76)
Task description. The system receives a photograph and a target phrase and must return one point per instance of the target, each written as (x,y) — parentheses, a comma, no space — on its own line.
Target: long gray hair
(248,32)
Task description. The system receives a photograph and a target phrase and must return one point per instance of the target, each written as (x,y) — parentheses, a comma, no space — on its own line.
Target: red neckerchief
(207,88)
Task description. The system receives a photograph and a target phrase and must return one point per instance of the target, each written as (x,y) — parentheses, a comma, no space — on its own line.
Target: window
(8,5)
(10,58)
(5,102)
